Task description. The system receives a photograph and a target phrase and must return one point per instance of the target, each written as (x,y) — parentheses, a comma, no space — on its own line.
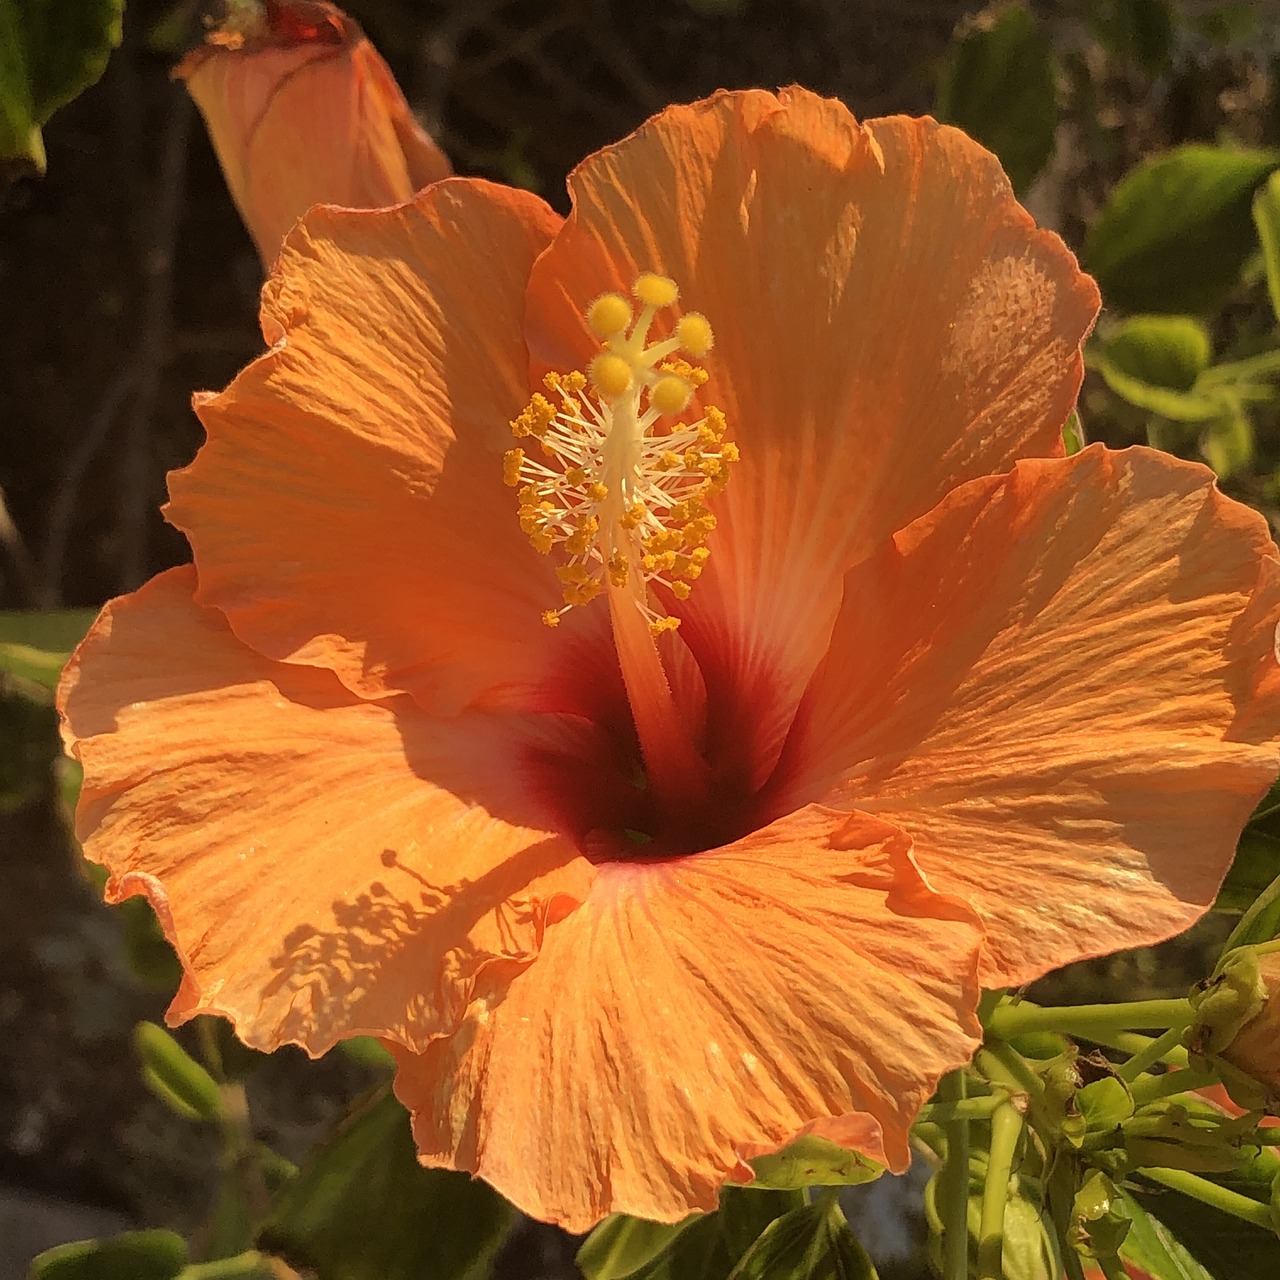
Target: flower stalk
(1210,1193)
(954,1184)
(1089,1021)
(1006,1130)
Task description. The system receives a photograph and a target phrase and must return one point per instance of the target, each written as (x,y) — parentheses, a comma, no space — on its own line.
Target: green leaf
(174,1076)
(813,1242)
(1266,217)
(1153,1247)
(1176,230)
(1227,443)
(1141,30)
(1241,373)
(35,645)
(28,746)
(154,962)
(703,1247)
(1162,351)
(1073,439)
(50,51)
(1260,923)
(813,1162)
(1224,1247)
(363,1208)
(1180,406)
(366,1052)
(135,1255)
(1256,865)
(622,1246)
(998,86)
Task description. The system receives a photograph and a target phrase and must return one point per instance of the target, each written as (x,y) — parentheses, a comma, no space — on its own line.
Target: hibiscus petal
(325,866)
(348,510)
(1061,683)
(888,323)
(698,1010)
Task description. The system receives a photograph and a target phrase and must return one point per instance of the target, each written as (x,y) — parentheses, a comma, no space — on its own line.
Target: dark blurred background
(127,282)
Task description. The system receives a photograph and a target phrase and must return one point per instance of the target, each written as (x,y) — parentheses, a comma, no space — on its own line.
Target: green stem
(1064,1178)
(968,1109)
(1089,1021)
(1006,1129)
(954,1185)
(1150,1088)
(1210,1193)
(1148,1057)
(1005,1065)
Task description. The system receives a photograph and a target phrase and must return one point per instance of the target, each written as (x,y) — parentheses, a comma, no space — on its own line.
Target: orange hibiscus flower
(911,704)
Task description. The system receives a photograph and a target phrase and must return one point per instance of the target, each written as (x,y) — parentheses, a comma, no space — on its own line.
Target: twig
(25,569)
(153,349)
(62,508)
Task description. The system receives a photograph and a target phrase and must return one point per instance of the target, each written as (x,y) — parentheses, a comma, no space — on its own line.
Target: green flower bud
(1226,1003)
(1099,1220)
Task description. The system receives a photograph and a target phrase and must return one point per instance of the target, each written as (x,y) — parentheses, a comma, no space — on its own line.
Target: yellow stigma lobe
(609,315)
(621,489)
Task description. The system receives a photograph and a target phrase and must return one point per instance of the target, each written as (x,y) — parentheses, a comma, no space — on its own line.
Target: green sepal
(811,1161)
(1100,1220)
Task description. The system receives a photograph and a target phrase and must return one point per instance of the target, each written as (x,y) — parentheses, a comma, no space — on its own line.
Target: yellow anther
(609,315)
(619,569)
(610,375)
(597,492)
(512,461)
(670,394)
(541,542)
(667,460)
(729,452)
(691,373)
(535,417)
(681,590)
(659,625)
(568,383)
(655,290)
(632,517)
(550,618)
(576,476)
(693,332)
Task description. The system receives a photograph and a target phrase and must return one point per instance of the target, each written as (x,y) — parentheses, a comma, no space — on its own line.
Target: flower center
(621,486)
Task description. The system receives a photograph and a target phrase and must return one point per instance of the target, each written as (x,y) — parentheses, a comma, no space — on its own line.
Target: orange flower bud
(302,110)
